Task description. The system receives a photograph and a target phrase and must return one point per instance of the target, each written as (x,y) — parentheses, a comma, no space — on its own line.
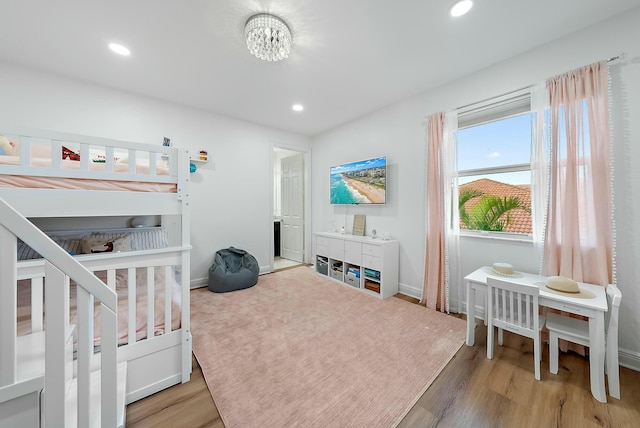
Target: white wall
(230,195)
(399,133)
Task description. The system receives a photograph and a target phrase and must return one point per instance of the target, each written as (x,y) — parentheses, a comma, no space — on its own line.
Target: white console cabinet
(369,264)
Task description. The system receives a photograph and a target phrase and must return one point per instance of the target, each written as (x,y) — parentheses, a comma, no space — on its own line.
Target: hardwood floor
(471,391)
(185,405)
(475,391)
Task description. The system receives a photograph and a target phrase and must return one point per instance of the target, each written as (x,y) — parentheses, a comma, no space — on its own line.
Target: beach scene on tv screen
(362,182)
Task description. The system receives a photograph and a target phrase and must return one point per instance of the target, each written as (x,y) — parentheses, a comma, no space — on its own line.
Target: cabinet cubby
(368,264)
(322,265)
(372,285)
(336,271)
(352,275)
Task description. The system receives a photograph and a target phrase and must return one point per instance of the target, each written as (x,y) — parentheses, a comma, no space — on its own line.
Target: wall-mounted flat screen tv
(362,182)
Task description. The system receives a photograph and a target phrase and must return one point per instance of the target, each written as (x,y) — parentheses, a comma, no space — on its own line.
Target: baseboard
(454,309)
(479,312)
(410,291)
(198,282)
(265,269)
(416,293)
(629,359)
(203,282)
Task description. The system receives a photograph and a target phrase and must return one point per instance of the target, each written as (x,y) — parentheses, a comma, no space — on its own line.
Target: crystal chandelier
(268,37)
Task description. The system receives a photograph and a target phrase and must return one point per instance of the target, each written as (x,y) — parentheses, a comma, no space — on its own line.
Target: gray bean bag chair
(232,269)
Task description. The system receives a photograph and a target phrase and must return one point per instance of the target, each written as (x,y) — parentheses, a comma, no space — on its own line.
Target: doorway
(288,208)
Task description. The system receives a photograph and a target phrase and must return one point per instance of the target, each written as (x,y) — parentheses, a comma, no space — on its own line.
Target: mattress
(24,305)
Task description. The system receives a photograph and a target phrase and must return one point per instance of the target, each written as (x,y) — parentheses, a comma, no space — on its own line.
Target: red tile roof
(520,219)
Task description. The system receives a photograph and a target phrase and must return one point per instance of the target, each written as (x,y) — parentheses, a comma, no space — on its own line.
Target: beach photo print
(362,182)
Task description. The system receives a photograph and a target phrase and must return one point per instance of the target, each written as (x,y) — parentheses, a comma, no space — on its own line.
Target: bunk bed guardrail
(47,154)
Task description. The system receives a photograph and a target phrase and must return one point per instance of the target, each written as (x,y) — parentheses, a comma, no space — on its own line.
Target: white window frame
(492,110)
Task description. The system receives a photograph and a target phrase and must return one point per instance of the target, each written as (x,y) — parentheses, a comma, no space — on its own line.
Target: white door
(292,236)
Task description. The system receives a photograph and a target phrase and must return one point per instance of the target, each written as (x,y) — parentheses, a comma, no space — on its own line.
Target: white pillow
(102,244)
(149,239)
(105,235)
(140,239)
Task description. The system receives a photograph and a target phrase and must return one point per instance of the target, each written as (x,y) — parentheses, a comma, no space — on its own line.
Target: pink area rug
(301,350)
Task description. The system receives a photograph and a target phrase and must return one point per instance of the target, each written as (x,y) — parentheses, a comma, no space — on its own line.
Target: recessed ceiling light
(460,8)
(119,49)
(297,107)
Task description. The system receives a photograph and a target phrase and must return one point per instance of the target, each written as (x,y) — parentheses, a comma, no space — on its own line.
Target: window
(494,166)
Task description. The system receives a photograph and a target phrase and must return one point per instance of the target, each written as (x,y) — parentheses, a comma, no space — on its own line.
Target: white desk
(593,308)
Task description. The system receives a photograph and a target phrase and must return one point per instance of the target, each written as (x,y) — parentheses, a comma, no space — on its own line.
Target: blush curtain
(578,239)
(539,165)
(442,261)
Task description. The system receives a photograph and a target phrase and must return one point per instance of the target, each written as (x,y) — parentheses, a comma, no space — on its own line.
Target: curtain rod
(515,91)
(620,56)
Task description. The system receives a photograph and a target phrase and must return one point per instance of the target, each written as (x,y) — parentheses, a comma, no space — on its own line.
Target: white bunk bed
(138,342)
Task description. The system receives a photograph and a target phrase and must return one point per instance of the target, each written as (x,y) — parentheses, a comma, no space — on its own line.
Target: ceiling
(349,57)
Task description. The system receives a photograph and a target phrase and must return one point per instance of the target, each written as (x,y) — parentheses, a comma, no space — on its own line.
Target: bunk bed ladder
(57,383)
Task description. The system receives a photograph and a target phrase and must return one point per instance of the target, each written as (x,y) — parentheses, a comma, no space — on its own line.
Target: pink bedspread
(24,305)
(38,182)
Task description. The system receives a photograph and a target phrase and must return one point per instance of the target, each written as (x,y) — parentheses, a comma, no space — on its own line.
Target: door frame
(306,152)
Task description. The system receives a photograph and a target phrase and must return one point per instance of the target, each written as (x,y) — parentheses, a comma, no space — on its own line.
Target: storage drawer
(322,265)
(373,286)
(335,274)
(372,250)
(336,267)
(322,240)
(353,252)
(352,280)
(372,262)
(322,250)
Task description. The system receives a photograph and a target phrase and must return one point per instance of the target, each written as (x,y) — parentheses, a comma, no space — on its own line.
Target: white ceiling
(349,57)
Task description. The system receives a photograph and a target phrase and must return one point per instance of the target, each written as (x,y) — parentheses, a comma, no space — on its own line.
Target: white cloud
(494,155)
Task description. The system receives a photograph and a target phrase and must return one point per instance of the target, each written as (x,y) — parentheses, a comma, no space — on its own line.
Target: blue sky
(504,142)
(355,166)
(494,144)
